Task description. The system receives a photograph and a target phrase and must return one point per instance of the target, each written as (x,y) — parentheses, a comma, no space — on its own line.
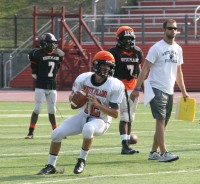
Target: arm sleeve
(152,54)
(34,63)
(79,82)
(60,62)
(118,92)
(114,105)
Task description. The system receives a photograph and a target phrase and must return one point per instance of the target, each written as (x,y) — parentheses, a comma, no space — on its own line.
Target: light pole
(94,13)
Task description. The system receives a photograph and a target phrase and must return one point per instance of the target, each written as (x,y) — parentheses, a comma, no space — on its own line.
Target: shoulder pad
(113,50)
(137,48)
(59,52)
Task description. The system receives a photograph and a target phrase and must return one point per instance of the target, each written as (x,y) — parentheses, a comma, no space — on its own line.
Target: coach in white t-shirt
(163,63)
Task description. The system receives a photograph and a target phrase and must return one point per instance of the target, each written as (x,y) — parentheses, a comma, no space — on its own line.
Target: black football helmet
(103,57)
(48,42)
(125,38)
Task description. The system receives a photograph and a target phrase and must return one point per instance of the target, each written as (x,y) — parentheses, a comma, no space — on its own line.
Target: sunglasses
(172,28)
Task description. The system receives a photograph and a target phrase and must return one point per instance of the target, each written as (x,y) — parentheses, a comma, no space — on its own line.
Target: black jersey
(45,66)
(127,64)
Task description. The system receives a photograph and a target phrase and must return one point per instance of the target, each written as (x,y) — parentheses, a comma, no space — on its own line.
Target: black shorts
(161,105)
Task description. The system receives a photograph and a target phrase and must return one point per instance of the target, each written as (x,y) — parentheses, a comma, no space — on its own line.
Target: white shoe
(29,136)
(168,157)
(154,156)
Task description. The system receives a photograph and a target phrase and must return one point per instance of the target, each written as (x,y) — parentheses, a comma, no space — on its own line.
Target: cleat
(154,156)
(128,151)
(79,167)
(49,169)
(168,157)
(29,136)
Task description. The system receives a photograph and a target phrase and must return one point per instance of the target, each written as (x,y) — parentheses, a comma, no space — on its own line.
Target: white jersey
(165,59)
(110,91)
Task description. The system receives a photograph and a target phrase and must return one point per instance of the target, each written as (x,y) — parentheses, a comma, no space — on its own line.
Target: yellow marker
(186,110)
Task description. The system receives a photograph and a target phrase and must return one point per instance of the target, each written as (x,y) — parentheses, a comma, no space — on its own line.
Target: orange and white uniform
(111,90)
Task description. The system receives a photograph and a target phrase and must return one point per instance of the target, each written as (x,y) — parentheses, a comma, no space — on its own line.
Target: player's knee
(124,117)
(88,131)
(52,110)
(56,135)
(37,109)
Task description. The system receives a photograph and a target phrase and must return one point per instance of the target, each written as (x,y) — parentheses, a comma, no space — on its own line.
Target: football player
(128,59)
(45,63)
(94,118)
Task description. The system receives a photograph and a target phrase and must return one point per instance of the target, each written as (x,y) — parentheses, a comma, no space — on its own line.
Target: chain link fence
(16,32)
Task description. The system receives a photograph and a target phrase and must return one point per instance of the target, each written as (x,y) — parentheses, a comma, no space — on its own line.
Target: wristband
(137,89)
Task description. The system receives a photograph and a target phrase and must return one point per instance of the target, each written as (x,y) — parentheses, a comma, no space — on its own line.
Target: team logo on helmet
(43,37)
(129,33)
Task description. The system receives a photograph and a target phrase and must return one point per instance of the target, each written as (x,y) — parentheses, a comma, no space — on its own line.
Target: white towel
(148,92)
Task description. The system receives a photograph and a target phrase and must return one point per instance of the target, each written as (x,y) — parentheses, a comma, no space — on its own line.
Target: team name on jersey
(96,91)
(50,58)
(171,61)
(169,52)
(172,56)
(133,60)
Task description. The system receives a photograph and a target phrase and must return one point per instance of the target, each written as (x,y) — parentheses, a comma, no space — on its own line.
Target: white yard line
(93,151)
(25,115)
(116,176)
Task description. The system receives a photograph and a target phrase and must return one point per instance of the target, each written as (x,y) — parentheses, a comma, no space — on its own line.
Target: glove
(34,76)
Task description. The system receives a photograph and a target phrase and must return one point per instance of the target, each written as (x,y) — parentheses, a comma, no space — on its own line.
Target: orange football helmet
(103,57)
(125,37)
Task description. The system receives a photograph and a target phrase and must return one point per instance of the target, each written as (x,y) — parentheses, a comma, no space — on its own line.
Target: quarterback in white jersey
(105,93)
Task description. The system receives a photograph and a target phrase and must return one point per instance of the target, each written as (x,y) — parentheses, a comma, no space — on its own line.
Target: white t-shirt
(110,91)
(165,59)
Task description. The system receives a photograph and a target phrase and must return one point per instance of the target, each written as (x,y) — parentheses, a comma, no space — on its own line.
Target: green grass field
(21,159)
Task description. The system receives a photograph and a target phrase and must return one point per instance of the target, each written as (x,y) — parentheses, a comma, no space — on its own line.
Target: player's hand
(185,96)
(134,95)
(93,100)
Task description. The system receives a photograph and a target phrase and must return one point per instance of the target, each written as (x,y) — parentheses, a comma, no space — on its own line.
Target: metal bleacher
(147,18)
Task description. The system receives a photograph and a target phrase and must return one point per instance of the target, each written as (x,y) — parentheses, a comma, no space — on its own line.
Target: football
(133,139)
(79,99)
